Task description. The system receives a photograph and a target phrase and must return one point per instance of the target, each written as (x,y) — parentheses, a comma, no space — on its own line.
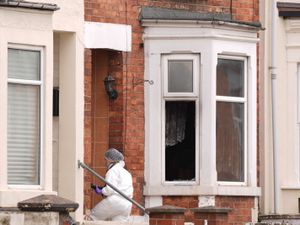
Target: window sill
(10,198)
(201,190)
(290,187)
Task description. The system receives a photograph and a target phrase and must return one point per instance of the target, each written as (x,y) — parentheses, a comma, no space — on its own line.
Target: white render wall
(70,16)
(29,218)
(28,28)
(70,177)
(35,27)
(55,129)
(68,25)
(288,59)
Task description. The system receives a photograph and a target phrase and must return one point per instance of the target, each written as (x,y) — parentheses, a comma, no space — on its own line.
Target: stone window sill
(201,190)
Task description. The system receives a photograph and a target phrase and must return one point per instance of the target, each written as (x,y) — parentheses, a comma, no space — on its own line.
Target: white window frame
(181,96)
(195,59)
(42,106)
(243,100)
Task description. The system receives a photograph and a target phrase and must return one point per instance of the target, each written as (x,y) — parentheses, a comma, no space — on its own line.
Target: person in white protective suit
(114,207)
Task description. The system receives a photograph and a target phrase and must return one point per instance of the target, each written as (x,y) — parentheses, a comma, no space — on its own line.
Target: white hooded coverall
(114,207)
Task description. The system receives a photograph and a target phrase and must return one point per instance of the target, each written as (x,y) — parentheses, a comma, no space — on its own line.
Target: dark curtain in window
(175,123)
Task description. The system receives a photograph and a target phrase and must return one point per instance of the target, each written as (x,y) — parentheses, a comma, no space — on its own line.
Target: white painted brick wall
(29,218)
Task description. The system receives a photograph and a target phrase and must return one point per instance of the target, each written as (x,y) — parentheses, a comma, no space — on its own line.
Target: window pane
(23,64)
(230,141)
(230,77)
(180,76)
(180,141)
(23,134)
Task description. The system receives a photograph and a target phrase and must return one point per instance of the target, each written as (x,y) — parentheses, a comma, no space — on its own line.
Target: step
(133,220)
(281,219)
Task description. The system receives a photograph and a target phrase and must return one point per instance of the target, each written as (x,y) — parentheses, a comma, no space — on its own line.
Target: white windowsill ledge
(10,198)
(290,187)
(201,190)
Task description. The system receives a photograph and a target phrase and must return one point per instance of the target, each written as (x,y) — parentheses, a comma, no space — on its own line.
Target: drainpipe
(274,123)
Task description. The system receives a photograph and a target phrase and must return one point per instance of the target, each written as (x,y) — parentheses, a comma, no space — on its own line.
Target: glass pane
(180,76)
(23,147)
(23,64)
(230,77)
(180,141)
(230,141)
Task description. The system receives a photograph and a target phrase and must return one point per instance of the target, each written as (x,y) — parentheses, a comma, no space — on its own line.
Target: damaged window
(181,100)
(180,141)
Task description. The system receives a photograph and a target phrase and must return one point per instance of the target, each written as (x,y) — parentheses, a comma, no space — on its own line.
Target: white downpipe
(274,123)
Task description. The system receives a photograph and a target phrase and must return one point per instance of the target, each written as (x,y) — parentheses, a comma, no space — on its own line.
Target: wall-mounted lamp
(110,84)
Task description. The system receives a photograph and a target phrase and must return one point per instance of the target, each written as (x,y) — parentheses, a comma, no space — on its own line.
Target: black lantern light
(110,84)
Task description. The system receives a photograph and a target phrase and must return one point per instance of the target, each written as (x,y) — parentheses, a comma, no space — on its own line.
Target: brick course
(126,114)
(241,208)
(88,125)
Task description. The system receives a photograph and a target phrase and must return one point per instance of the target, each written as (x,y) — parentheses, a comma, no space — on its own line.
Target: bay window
(200,113)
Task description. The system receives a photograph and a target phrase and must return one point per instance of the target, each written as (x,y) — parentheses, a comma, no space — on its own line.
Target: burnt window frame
(181,96)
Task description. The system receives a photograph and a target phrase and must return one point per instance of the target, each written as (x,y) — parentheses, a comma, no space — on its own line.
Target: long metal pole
(84,166)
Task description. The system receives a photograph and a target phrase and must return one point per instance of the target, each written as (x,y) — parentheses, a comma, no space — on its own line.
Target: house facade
(41,49)
(186,112)
(279,107)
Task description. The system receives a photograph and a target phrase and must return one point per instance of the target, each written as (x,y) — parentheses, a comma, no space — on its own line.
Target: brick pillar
(166,215)
(211,216)
(50,203)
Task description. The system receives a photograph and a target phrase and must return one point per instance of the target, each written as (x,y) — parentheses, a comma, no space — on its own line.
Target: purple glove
(98,190)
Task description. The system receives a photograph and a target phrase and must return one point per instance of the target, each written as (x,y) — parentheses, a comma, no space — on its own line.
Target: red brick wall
(187,202)
(126,11)
(116,107)
(100,116)
(241,208)
(88,124)
(211,219)
(240,214)
(166,219)
(126,114)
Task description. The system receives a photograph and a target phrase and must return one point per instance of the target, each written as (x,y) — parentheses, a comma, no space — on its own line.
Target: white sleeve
(111,177)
